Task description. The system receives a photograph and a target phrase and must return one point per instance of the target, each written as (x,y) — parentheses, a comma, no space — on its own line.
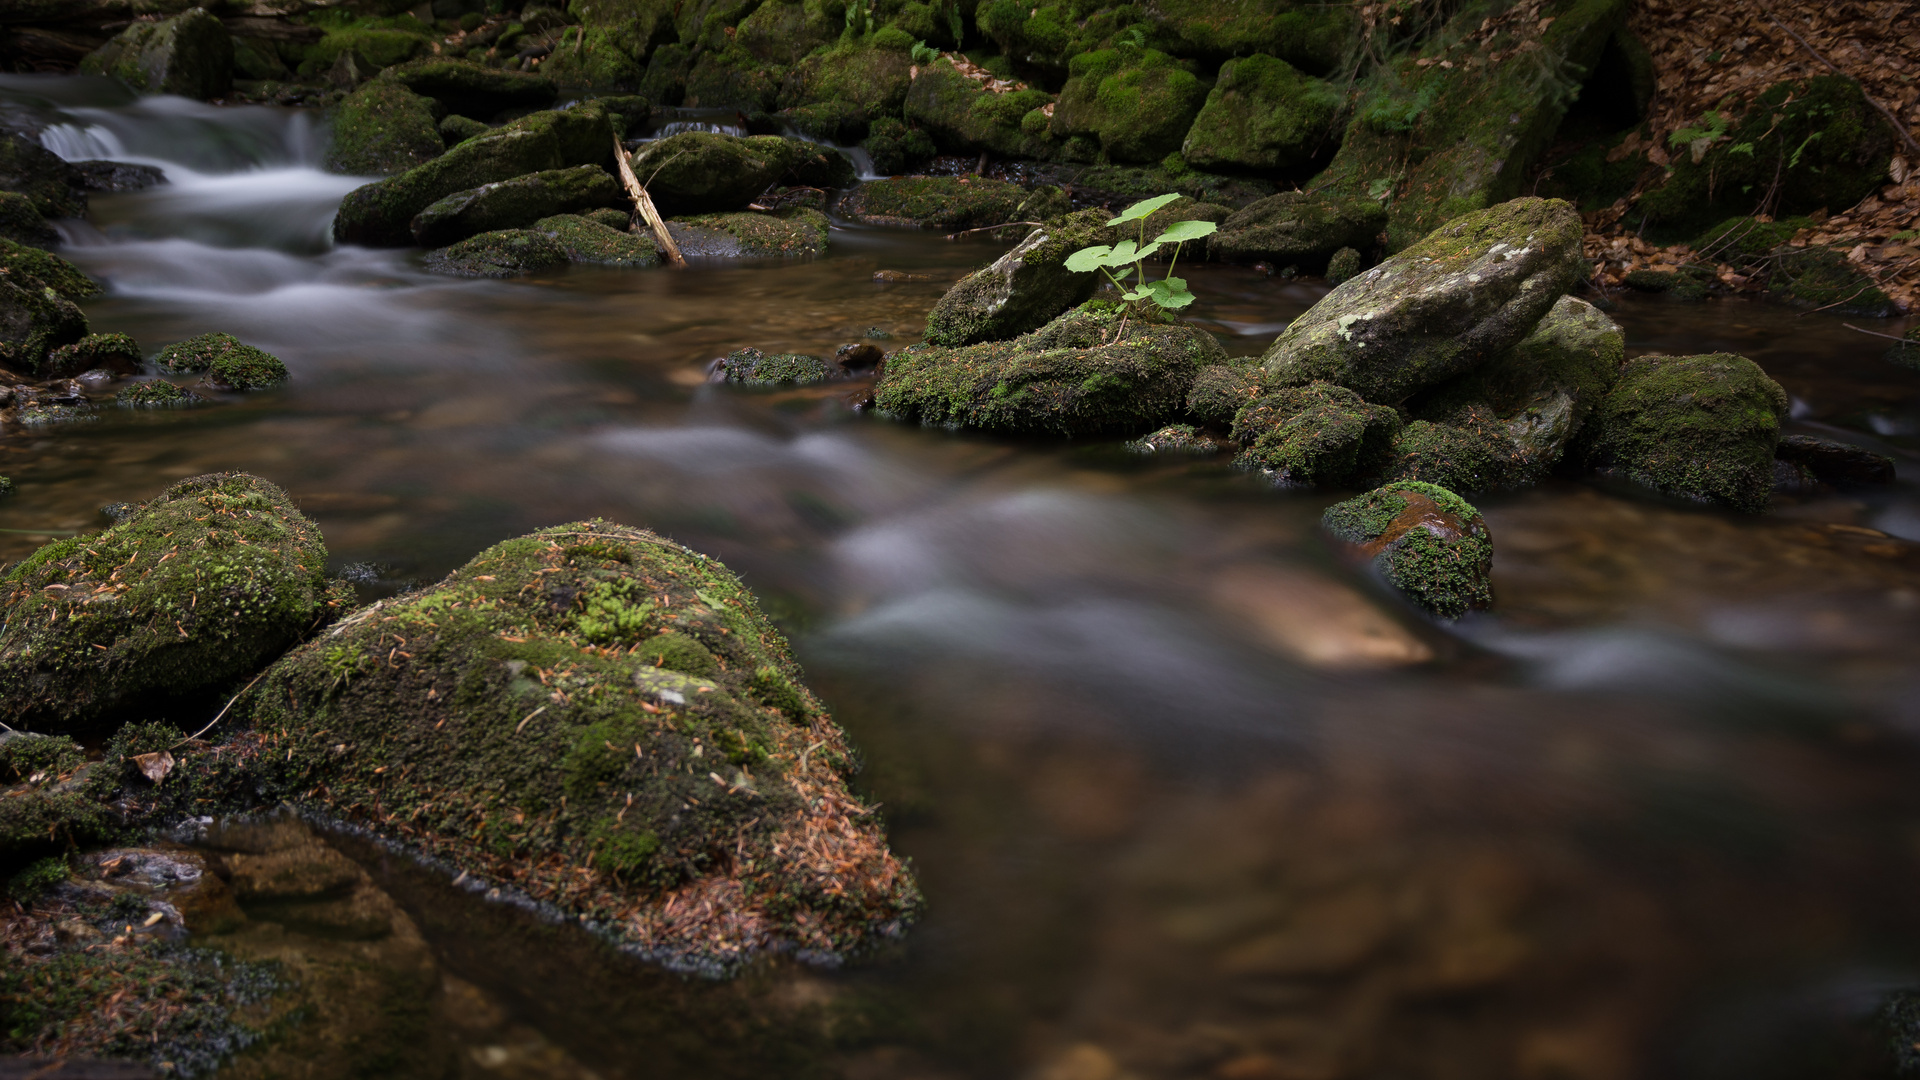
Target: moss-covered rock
(1688,288)
(1219,392)
(1296,229)
(1175,439)
(20,222)
(1022,290)
(867,83)
(605,721)
(1442,141)
(592,56)
(357,45)
(505,253)
(1120,185)
(1537,396)
(703,172)
(380,214)
(1468,457)
(159,392)
(383,128)
(897,148)
(1084,373)
(35,320)
(1906,352)
(964,116)
(1822,277)
(619,219)
(203,585)
(1464,295)
(1316,38)
(755,368)
(56,188)
(117,353)
(633,28)
(782,233)
(515,203)
(1802,145)
(190,54)
(1317,435)
(1695,427)
(586,241)
(1426,541)
(228,363)
(1344,266)
(950,202)
(1264,115)
(1137,102)
(455,129)
(32,267)
(470,89)
(731,78)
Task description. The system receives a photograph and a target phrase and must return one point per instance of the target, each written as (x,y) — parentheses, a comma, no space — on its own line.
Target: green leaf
(1089,258)
(1183,231)
(1139,294)
(1126,253)
(1171,293)
(1142,209)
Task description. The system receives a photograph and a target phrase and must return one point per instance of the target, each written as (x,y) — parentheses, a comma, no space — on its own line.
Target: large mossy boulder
(1538,395)
(21,222)
(964,115)
(1317,435)
(1701,428)
(383,128)
(1467,293)
(190,55)
(24,265)
(56,188)
(115,353)
(36,318)
(1137,102)
(603,720)
(1095,370)
(587,241)
(1264,115)
(1470,456)
(1314,37)
(199,588)
(703,172)
(950,202)
(380,214)
(1455,126)
(1426,541)
(591,56)
(500,254)
(473,90)
(516,203)
(1022,290)
(867,83)
(1297,229)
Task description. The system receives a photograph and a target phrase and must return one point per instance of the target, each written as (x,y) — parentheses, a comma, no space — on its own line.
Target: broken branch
(644,204)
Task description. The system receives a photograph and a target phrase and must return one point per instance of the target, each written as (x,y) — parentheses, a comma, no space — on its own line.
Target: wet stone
(1424,540)
(1835,463)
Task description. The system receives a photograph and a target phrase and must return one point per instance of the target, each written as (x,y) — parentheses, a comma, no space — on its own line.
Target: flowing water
(1188,795)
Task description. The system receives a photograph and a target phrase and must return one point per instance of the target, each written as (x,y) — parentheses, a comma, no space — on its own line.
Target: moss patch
(1315,435)
(383,128)
(156,393)
(1022,290)
(592,241)
(1424,540)
(228,363)
(1696,427)
(753,367)
(1264,114)
(505,253)
(950,202)
(799,231)
(1137,102)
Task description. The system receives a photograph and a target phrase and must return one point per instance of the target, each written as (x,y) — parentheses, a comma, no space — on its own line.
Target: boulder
(1537,396)
(470,89)
(158,393)
(35,320)
(591,56)
(1219,392)
(703,172)
(782,233)
(859,82)
(190,55)
(383,128)
(227,362)
(1022,290)
(1183,439)
(1137,102)
(1263,115)
(380,214)
(515,203)
(1426,541)
(1120,185)
(586,241)
(755,368)
(1297,229)
(1344,266)
(116,353)
(1464,295)
(57,189)
(196,590)
(950,202)
(20,222)
(1472,456)
(604,721)
(963,115)
(1836,463)
(455,129)
(897,148)
(1316,38)
(1702,428)
(24,265)
(1318,435)
(1084,373)
(117,176)
(506,253)
(1906,351)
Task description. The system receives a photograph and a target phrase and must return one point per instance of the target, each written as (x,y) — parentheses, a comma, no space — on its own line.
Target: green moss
(37,878)
(1264,115)
(963,116)
(1221,391)
(1299,229)
(515,203)
(455,129)
(111,352)
(30,267)
(470,89)
(753,367)
(505,253)
(1343,266)
(1906,352)
(698,172)
(1174,439)
(20,220)
(199,587)
(159,392)
(1430,543)
(681,653)
(227,362)
(1314,435)
(1674,285)
(951,202)
(1022,290)
(382,42)
(383,128)
(1695,427)
(1463,459)
(38,320)
(1138,102)
(1822,277)
(592,56)
(897,148)
(594,241)
(190,54)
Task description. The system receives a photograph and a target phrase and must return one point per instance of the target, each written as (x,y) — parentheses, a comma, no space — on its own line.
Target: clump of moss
(1426,541)
(205,583)
(1263,114)
(1314,435)
(227,361)
(605,720)
(799,231)
(1822,277)
(1024,289)
(1458,458)
(112,352)
(383,128)
(159,392)
(897,148)
(1221,391)
(1174,439)
(1696,427)
(23,264)
(1343,266)
(39,413)
(591,239)
(1138,102)
(499,254)
(754,367)
(20,221)
(1672,284)
(951,202)
(38,877)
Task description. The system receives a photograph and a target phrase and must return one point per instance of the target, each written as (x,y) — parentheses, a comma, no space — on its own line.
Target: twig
(1878,334)
(218,715)
(644,204)
(1899,128)
(990,228)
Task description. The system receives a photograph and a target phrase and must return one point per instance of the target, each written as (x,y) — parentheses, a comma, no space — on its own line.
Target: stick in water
(645,205)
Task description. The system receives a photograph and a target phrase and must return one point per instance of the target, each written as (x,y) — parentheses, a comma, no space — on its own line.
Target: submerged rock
(1836,463)
(1264,115)
(200,587)
(506,253)
(152,394)
(117,176)
(1094,370)
(1296,229)
(515,203)
(1426,541)
(1022,290)
(586,240)
(950,202)
(1467,293)
(801,231)
(21,223)
(30,266)
(1702,428)
(1318,435)
(753,367)
(228,363)
(604,721)
(383,128)
(190,54)
(1176,439)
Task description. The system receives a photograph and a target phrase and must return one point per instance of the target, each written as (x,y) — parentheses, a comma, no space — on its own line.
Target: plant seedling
(1129,257)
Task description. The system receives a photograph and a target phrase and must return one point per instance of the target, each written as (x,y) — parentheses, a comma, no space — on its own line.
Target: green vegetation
(1317,435)
(1426,541)
(227,362)
(1129,256)
(1695,427)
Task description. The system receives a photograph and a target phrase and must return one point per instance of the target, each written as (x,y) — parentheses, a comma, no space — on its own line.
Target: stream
(1188,795)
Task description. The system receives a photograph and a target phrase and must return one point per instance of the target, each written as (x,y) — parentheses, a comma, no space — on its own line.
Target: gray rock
(1022,290)
(515,203)
(506,253)
(1297,229)
(190,54)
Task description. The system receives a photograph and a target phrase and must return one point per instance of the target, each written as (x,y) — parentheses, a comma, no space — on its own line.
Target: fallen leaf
(156,766)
